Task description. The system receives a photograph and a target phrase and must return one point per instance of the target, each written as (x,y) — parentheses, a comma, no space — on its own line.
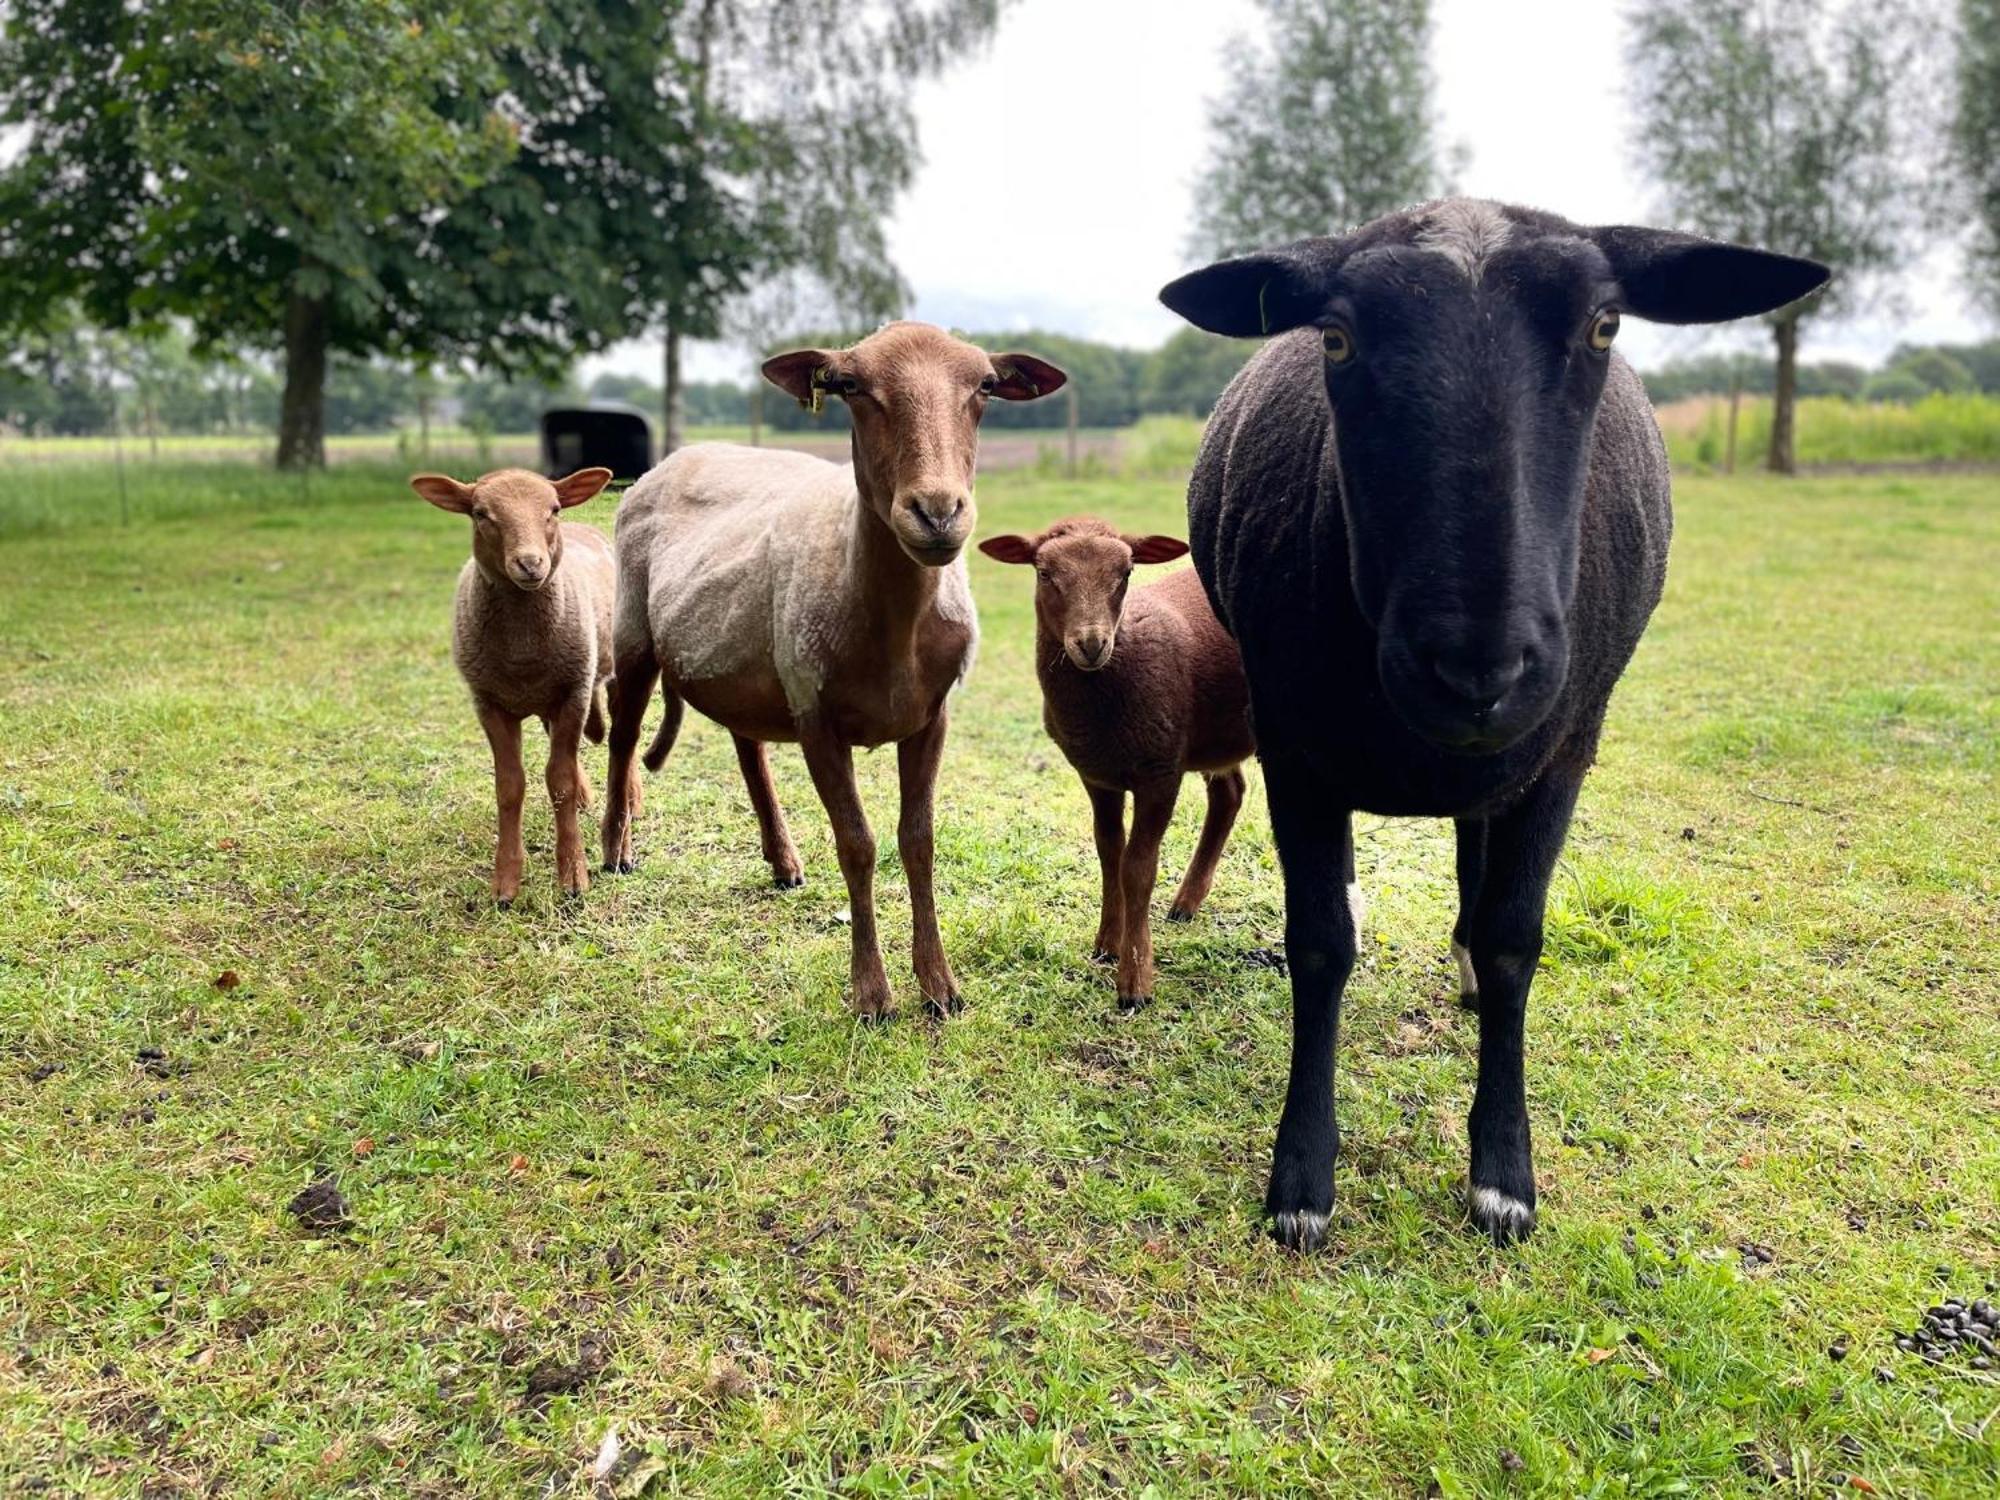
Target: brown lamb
(531,635)
(1136,694)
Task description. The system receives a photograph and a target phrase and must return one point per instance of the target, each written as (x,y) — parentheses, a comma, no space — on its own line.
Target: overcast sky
(1060,162)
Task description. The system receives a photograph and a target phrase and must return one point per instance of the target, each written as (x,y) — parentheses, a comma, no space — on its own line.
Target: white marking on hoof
(1301,1229)
(1468,982)
(1356,907)
(1501,1215)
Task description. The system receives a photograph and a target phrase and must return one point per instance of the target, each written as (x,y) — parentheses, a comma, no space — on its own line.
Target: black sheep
(1434,512)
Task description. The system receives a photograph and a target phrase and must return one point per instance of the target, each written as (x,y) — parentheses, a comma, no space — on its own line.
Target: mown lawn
(633,1169)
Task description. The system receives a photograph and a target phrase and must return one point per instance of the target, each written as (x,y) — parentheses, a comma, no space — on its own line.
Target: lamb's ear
(1009,549)
(1668,277)
(1022,377)
(581,485)
(443,491)
(804,374)
(1255,295)
(1155,549)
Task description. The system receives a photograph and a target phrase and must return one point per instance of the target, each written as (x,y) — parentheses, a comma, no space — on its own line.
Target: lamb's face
(916,396)
(1464,350)
(1083,570)
(516,518)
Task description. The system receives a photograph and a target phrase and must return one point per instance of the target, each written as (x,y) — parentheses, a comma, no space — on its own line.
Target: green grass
(1020,1252)
(1938,429)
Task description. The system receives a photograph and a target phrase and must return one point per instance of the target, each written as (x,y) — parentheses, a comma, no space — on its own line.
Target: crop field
(617,1199)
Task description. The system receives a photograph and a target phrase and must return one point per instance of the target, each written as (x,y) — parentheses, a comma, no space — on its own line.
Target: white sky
(1059,166)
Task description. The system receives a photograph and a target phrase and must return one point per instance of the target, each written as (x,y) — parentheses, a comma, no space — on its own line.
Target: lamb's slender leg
(1225,800)
(755,759)
(510,786)
(917,766)
(565,782)
(832,766)
(1522,846)
(1107,825)
(1313,844)
(635,673)
(1152,811)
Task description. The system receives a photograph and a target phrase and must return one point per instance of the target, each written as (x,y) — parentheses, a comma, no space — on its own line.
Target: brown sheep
(531,634)
(788,598)
(1136,695)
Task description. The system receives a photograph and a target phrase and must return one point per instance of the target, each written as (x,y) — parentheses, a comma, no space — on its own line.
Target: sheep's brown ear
(581,485)
(443,491)
(1009,549)
(806,375)
(1155,549)
(1022,377)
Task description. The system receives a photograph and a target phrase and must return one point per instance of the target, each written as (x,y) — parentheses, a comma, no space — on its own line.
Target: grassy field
(1939,429)
(626,1183)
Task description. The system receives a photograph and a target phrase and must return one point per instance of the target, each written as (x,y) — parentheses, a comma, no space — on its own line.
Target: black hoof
(618,867)
(876,1017)
(1469,1000)
(1103,956)
(1501,1216)
(505,903)
(940,1010)
(788,882)
(572,895)
(1131,1005)
(1177,914)
(1301,1230)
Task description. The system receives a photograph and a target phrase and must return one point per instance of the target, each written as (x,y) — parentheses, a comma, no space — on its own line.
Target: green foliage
(1976,139)
(1899,423)
(1817,94)
(1326,122)
(1188,373)
(1934,370)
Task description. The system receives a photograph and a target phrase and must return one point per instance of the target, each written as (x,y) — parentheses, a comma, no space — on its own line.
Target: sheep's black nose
(1481,683)
(1093,649)
(939,514)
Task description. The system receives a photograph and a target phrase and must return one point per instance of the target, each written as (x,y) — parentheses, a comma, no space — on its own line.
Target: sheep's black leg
(1315,849)
(1505,934)
(1471,870)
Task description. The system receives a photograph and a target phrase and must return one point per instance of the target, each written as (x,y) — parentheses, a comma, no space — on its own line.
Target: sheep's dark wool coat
(1269,540)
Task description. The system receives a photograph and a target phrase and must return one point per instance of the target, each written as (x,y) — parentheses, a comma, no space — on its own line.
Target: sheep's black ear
(1022,377)
(804,374)
(1009,549)
(1668,277)
(1252,295)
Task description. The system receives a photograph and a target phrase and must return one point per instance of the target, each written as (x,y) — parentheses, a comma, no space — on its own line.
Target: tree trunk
(1786,334)
(1735,405)
(302,413)
(670,399)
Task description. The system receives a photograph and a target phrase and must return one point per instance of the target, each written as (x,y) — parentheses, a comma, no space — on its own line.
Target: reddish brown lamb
(531,635)
(1136,694)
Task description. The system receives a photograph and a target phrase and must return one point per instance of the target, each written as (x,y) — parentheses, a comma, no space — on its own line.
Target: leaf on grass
(365,1146)
(228,980)
(608,1453)
(1598,1356)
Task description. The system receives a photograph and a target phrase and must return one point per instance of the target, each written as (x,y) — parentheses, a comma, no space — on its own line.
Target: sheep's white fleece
(745,555)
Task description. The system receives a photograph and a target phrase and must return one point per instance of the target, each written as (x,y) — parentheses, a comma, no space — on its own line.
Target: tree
(1328,124)
(1976,137)
(1187,373)
(1784,126)
(694,150)
(270,171)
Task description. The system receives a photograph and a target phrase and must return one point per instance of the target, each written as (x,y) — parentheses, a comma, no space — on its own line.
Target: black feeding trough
(584,437)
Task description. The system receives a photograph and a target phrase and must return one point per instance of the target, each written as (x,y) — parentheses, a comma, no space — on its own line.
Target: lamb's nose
(1094,649)
(530,571)
(1481,683)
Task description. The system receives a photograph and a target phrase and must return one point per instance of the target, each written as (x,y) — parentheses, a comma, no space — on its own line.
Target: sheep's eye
(1603,329)
(480,515)
(1338,344)
(1042,575)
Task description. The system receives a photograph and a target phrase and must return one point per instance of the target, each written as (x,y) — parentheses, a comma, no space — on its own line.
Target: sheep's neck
(534,606)
(893,592)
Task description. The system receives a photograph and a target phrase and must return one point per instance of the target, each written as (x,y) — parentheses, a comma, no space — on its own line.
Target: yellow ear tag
(818,390)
